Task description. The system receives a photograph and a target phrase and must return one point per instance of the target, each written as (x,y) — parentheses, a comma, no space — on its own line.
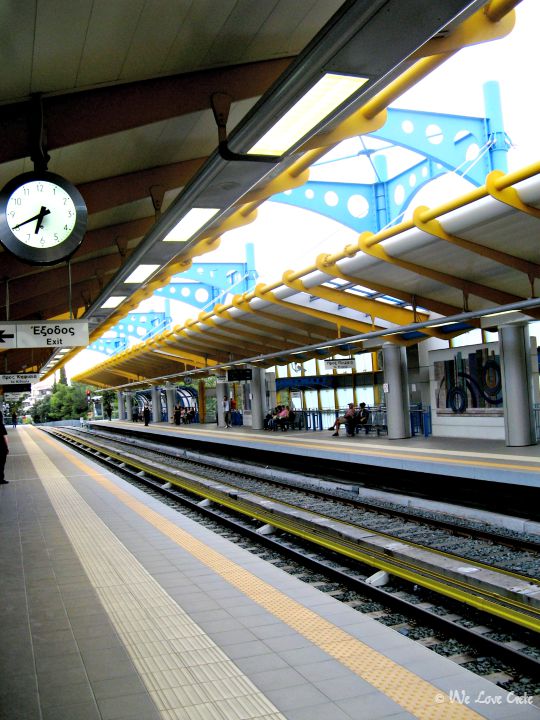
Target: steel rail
(486,600)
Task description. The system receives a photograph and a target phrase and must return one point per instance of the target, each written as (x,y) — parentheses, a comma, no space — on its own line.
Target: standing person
(146,415)
(177,415)
(14,419)
(108,411)
(4,450)
(227,411)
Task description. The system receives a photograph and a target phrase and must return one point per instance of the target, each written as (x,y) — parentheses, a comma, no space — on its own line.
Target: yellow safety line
(390,454)
(186,673)
(416,695)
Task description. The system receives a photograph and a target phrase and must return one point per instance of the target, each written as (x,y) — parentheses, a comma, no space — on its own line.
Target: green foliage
(66,402)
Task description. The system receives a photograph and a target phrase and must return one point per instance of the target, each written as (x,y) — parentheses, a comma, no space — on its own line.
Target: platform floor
(115,606)
(489,460)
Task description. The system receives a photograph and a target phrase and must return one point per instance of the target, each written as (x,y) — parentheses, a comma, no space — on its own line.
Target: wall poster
(469,384)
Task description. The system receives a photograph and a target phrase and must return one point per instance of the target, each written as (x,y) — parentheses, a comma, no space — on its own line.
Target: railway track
(410,593)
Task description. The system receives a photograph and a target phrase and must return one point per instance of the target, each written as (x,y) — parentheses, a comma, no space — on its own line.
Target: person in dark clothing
(146,415)
(177,415)
(4,450)
(14,420)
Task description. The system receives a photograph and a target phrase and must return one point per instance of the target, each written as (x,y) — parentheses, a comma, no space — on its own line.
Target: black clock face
(42,218)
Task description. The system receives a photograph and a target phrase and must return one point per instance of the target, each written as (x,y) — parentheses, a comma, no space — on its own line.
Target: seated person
(360,419)
(292,418)
(282,420)
(343,419)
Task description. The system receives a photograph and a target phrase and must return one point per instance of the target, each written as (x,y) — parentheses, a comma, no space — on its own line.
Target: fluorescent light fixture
(140,274)
(113,301)
(502,312)
(444,324)
(326,95)
(190,223)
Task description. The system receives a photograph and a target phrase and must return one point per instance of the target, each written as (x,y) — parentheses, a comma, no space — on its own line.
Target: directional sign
(16,379)
(7,336)
(20,387)
(339,364)
(60,334)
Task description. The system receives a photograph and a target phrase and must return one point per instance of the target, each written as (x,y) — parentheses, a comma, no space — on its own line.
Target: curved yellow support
(434,228)
(264,293)
(327,263)
(393,314)
(508,195)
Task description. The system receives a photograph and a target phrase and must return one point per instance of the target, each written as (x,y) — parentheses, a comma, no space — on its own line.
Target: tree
(66,402)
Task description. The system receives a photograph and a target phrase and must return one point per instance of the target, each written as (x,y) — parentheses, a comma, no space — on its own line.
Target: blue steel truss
(202,286)
(470,146)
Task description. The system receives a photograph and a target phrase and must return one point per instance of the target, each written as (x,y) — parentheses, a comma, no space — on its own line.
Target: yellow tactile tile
(417,696)
(129,594)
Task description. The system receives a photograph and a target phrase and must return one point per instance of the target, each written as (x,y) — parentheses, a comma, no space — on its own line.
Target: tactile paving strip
(187,675)
(416,695)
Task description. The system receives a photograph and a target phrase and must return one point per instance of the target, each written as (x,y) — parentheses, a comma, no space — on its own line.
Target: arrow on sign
(4,337)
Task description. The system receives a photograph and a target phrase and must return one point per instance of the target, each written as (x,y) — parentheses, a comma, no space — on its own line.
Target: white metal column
(121,405)
(398,419)
(156,404)
(258,399)
(514,346)
(170,393)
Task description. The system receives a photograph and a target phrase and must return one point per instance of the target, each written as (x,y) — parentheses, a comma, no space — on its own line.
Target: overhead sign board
(12,397)
(19,388)
(64,333)
(239,374)
(339,364)
(16,379)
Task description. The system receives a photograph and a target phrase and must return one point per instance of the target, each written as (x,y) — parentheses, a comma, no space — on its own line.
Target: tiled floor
(117,607)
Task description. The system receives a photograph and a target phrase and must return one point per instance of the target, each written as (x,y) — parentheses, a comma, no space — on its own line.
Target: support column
(156,404)
(258,399)
(514,347)
(129,406)
(398,419)
(170,394)
(121,405)
(221,389)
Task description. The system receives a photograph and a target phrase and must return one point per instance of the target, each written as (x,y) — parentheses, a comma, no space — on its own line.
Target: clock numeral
(17,201)
(39,187)
(26,191)
(12,213)
(66,228)
(56,237)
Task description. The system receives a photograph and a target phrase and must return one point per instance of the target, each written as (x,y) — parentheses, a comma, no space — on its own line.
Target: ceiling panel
(16,48)
(108,39)
(154,40)
(60,32)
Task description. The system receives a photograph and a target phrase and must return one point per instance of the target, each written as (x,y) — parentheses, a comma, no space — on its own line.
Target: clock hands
(38,218)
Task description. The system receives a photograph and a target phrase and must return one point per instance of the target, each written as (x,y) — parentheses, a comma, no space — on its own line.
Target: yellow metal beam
(508,195)
(434,228)
(328,264)
(373,308)
(469,287)
(312,333)
(337,320)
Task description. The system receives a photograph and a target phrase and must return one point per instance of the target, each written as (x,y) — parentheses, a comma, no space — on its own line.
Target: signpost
(32,333)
